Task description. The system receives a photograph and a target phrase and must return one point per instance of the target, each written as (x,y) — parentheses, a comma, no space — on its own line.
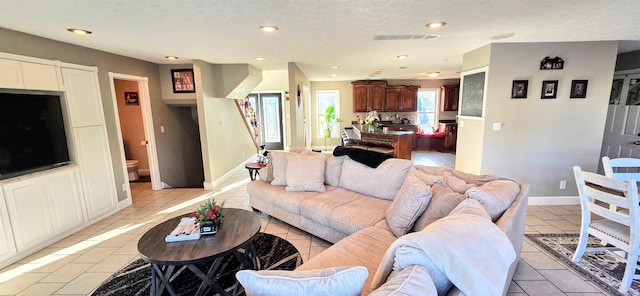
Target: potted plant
(330,120)
(209,216)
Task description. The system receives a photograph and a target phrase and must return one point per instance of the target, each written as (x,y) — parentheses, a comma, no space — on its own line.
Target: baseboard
(214,184)
(553,200)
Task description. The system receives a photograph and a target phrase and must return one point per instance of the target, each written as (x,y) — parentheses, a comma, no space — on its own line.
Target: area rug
(598,267)
(274,253)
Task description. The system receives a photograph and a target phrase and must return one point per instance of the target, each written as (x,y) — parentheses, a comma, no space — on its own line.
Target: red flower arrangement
(209,213)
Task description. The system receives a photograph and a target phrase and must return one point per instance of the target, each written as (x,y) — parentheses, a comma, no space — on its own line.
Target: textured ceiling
(319,34)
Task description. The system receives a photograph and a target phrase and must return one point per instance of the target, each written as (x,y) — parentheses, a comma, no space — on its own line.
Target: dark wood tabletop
(237,228)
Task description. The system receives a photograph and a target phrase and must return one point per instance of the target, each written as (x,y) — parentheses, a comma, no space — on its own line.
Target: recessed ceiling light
(435,25)
(268,28)
(171,58)
(433,74)
(403,56)
(259,58)
(79,31)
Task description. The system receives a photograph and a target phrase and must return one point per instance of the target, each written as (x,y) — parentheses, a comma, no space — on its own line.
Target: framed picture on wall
(519,89)
(182,80)
(578,89)
(131,98)
(549,89)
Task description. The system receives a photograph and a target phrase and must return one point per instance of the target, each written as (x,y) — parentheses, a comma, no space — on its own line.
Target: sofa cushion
(427,178)
(333,169)
(470,206)
(381,182)
(443,200)
(341,209)
(279,165)
(409,204)
(305,173)
(495,196)
(456,184)
(363,248)
(413,280)
(277,195)
(347,281)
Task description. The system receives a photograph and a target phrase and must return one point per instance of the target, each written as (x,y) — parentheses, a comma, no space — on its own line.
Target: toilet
(132,169)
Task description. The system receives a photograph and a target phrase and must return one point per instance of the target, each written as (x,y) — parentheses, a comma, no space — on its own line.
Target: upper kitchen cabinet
(27,75)
(368,95)
(449,97)
(409,99)
(392,100)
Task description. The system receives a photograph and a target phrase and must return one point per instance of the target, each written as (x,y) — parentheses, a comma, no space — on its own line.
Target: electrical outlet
(563,184)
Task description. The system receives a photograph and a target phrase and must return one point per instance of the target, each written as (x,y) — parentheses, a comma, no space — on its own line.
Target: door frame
(147,121)
(283,114)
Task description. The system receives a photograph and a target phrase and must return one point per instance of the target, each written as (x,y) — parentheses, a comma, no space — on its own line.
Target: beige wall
(540,140)
(131,124)
(295,115)
(226,142)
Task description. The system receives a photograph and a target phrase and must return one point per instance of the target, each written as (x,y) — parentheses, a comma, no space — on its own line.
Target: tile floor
(77,264)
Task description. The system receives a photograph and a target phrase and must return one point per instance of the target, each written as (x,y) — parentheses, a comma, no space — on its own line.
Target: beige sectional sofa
(364,210)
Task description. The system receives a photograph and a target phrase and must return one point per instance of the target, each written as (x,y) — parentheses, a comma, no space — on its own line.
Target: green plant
(330,119)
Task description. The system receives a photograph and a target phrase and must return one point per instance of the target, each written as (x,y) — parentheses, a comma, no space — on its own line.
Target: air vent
(406,37)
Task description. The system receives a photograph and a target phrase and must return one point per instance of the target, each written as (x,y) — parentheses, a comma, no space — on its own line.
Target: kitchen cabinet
(449,95)
(450,135)
(368,95)
(7,245)
(26,75)
(401,99)
(83,97)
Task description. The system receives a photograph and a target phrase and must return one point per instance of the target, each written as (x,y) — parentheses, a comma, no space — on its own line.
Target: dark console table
(235,236)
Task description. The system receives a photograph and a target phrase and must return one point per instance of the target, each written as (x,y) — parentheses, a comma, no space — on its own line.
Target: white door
(622,129)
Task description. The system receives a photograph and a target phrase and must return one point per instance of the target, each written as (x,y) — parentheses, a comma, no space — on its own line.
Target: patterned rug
(274,253)
(598,267)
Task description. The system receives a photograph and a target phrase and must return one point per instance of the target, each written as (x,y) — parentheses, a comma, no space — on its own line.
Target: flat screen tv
(32,135)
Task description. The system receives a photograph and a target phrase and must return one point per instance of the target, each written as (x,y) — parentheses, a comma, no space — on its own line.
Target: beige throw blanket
(473,253)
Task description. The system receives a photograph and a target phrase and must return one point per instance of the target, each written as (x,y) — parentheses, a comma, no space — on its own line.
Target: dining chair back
(619,229)
(622,169)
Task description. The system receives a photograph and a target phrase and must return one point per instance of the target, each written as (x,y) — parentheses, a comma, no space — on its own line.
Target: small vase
(209,228)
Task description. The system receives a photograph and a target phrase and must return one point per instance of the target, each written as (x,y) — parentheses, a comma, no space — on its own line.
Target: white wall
(540,140)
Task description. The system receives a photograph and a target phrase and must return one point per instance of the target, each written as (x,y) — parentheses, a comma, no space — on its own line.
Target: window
(326,98)
(427,109)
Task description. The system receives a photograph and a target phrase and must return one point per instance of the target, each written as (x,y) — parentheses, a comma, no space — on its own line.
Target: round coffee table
(235,236)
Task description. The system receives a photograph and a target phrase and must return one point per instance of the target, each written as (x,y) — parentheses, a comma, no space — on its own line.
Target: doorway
(622,128)
(135,126)
(268,108)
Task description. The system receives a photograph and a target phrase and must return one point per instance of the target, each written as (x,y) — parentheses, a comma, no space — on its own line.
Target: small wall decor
(182,80)
(552,64)
(578,89)
(131,98)
(549,89)
(519,89)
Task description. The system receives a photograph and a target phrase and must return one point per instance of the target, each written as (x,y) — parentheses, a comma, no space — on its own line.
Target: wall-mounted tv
(32,134)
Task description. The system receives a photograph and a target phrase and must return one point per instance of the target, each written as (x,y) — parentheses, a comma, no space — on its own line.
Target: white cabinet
(10,74)
(64,199)
(7,245)
(29,212)
(27,75)
(83,97)
(92,152)
(42,206)
(39,76)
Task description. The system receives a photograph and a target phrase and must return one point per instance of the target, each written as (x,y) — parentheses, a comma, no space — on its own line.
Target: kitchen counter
(399,140)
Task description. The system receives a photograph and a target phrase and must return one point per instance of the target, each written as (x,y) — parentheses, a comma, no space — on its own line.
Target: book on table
(187,229)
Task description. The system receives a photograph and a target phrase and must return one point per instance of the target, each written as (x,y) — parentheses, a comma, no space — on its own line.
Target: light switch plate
(497,126)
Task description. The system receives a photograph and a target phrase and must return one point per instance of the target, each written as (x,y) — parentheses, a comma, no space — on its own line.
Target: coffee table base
(163,273)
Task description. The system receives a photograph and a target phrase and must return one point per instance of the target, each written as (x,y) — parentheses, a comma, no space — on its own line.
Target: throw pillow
(471,206)
(333,169)
(305,173)
(456,184)
(495,196)
(443,200)
(409,203)
(381,182)
(407,256)
(427,178)
(279,164)
(347,281)
(413,280)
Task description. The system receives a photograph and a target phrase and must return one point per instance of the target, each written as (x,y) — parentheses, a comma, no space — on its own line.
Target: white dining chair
(620,229)
(622,169)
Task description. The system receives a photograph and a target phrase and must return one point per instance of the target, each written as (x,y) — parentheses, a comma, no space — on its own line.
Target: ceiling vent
(406,37)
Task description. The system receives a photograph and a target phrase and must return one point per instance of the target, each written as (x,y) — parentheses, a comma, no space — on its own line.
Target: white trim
(553,200)
(214,184)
